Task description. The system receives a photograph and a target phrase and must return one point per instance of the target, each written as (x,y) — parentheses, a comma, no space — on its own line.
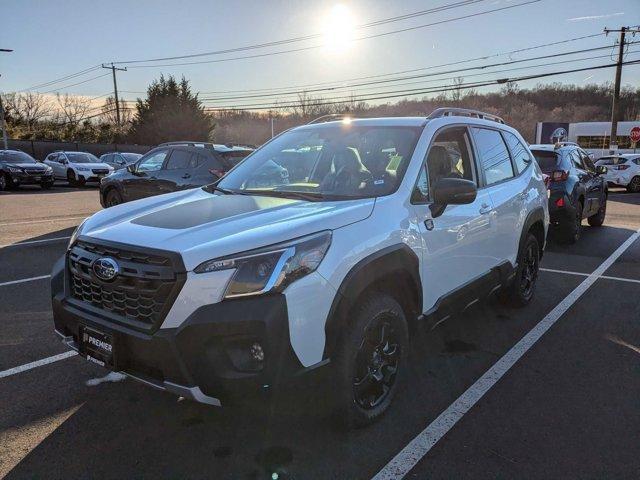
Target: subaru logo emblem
(105,269)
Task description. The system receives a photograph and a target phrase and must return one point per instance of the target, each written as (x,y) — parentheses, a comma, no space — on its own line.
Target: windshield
(131,157)
(547,160)
(16,157)
(82,157)
(327,162)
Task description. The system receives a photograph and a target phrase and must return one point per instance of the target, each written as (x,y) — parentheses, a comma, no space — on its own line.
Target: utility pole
(115,88)
(615,106)
(3,124)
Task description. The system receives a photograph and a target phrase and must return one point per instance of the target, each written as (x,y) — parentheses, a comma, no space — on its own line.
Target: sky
(52,39)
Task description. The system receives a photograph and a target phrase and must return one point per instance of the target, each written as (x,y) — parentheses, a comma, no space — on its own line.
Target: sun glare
(338,29)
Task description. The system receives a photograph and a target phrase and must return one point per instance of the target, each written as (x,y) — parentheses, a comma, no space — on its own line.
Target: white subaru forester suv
(381,224)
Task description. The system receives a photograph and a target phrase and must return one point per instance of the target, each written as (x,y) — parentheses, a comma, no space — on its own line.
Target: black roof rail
(463,112)
(187,143)
(330,118)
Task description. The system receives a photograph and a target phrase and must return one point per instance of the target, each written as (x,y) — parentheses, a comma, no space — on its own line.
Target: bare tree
(109,115)
(28,108)
(456,93)
(73,109)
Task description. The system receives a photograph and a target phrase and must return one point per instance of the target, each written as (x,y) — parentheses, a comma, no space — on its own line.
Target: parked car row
(166,168)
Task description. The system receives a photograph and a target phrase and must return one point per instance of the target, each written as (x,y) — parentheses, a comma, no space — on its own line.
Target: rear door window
(493,155)
(520,153)
(179,159)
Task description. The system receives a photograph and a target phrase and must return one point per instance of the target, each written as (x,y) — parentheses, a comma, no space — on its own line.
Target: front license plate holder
(97,347)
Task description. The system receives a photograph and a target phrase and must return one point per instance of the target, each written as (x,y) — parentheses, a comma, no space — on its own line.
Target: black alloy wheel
(113,198)
(3,182)
(377,364)
(529,271)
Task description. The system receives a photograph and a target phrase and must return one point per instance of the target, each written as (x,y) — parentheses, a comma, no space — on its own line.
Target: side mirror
(601,170)
(131,168)
(592,156)
(452,191)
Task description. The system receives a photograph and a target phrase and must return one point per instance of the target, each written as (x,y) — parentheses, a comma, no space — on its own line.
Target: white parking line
(48,220)
(410,455)
(23,280)
(606,277)
(31,242)
(37,363)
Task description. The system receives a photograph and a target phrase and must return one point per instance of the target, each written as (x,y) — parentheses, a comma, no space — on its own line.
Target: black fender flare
(535,215)
(395,260)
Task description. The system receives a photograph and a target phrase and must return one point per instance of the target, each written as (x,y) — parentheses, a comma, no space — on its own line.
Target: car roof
(551,147)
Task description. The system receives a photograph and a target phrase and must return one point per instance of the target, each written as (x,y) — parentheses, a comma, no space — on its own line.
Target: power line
(79,83)
(437,90)
(478,67)
(307,37)
(62,79)
(245,57)
(459,62)
(349,98)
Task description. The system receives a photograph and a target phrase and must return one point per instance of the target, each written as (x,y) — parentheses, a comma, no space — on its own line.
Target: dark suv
(577,189)
(19,168)
(170,167)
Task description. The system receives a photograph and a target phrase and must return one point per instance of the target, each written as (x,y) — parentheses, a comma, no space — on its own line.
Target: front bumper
(27,179)
(205,357)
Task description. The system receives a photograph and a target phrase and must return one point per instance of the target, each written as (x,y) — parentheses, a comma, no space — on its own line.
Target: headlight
(48,170)
(76,233)
(14,169)
(82,169)
(270,268)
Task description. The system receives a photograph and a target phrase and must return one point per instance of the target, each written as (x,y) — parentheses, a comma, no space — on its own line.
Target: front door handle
(186,175)
(484,209)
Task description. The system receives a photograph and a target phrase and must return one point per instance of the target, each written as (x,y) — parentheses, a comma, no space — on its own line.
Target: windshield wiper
(308,196)
(213,187)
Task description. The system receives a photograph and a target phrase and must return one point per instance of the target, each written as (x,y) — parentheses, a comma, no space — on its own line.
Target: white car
(381,224)
(622,171)
(77,167)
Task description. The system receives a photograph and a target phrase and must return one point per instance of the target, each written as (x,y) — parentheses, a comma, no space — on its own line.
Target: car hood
(92,165)
(201,226)
(29,166)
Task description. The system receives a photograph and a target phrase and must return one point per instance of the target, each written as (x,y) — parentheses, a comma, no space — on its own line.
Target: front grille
(99,171)
(33,171)
(141,293)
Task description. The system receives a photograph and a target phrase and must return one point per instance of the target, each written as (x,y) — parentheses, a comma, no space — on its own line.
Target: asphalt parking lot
(551,390)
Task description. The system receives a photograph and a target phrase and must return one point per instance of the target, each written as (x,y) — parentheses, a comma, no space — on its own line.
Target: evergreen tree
(169,113)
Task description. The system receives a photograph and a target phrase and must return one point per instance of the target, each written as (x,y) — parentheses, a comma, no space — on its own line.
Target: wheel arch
(395,268)
(534,223)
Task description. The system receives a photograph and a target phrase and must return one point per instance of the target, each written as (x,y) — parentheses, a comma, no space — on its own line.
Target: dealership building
(592,136)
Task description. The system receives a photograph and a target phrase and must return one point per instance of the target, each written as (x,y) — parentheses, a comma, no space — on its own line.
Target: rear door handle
(484,209)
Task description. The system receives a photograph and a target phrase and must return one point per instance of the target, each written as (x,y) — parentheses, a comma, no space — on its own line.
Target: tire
(112,198)
(370,360)
(46,185)
(570,233)
(3,182)
(523,286)
(634,185)
(72,179)
(598,219)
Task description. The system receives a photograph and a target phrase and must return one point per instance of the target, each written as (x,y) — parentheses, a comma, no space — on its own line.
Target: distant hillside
(520,108)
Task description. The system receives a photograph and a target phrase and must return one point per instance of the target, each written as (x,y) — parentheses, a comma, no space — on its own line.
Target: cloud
(594,17)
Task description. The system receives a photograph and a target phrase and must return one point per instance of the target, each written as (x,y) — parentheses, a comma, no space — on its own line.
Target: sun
(338,29)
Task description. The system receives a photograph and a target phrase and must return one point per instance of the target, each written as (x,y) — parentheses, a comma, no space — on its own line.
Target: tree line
(172,111)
